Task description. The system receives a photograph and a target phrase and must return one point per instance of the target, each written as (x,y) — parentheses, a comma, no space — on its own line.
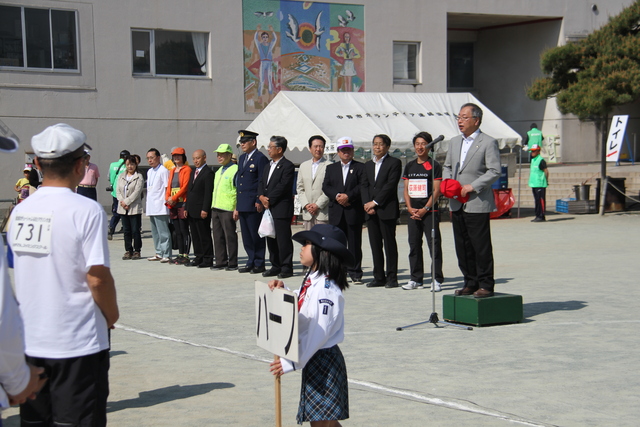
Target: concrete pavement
(184,351)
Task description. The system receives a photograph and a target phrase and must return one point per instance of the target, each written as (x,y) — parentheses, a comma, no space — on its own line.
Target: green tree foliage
(592,76)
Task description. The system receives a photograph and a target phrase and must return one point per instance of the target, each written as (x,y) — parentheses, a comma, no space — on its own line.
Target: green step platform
(500,308)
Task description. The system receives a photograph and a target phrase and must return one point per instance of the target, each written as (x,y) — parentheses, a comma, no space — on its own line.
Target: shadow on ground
(166,394)
(535,308)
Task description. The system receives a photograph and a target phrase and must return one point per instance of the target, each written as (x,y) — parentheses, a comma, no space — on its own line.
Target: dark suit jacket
(247,180)
(384,189)
(199,192)
(356,183)
(279,190)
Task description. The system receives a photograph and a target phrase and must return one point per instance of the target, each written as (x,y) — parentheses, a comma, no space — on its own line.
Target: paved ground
(184,352)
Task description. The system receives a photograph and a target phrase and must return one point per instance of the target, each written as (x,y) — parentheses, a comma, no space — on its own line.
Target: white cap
(344,142)
(58,140)
(8,144)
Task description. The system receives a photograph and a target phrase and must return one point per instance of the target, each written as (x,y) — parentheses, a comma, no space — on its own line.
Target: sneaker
(412,285)
(436,286)
(127,255)
(156,257)
(136,255)
(165,260)
(356,281)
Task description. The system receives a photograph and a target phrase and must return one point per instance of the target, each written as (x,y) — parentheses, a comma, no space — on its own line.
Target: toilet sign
(616,135)
(277,321)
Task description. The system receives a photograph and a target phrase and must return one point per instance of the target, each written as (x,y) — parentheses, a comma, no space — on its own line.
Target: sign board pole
(278,396)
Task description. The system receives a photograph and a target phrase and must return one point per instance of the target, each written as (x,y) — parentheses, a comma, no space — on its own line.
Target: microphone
(435,141)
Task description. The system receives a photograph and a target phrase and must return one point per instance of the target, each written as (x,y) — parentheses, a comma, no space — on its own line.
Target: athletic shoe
(156,257)
(436,286)
(136,255)
(165,260)
(412,285)
(127,255)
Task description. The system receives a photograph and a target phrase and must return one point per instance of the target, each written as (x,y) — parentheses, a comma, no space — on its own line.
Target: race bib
(32,233)
(418,188)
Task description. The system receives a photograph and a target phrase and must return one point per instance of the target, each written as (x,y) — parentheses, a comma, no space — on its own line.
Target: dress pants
(89,192)
(225,238)
(113,222)
(354,244)
(161,235)
(539,196)
(201,240)
(313,221)
(281,248)
(472,236)
(415,230)
(132,237)
(254,245)
(382,235)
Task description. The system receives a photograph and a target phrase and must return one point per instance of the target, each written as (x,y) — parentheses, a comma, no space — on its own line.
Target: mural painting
(301,46)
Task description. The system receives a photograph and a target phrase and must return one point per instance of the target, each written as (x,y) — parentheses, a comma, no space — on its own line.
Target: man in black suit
(251,166)
(382,210)
(275,192)
(199,194)
(343,183)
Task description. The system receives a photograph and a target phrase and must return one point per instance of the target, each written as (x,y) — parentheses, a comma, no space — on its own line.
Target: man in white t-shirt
(64,286)
(157,210)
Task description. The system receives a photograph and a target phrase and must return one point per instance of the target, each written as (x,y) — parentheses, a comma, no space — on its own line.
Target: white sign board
(277,321)
(616,135)
(31,233)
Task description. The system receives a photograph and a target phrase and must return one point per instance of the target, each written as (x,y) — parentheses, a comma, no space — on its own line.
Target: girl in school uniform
(324,396)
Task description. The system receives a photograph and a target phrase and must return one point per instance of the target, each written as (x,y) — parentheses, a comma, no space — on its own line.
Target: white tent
(299,115)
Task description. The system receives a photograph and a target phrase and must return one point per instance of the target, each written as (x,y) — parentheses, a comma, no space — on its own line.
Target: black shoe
(270,273)
(538,220)
(357,280)
(258,270)
(110,234)
(284,275)
(193,263)
(218,267)
(391,284)
(231,268)
(246,269)
(205,265)
(375,284)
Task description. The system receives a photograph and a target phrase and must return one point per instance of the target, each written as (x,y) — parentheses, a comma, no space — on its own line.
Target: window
(177,53)
(39,39)
(460,66)
(406,62)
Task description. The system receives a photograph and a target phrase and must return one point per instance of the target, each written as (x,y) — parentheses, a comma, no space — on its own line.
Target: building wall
(117,110)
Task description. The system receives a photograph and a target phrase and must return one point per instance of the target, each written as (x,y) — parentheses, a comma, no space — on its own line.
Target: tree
(591,77)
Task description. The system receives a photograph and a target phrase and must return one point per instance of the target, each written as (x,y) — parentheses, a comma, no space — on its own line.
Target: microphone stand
(433,318)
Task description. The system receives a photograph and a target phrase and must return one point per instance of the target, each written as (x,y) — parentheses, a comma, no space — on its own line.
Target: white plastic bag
(267,227)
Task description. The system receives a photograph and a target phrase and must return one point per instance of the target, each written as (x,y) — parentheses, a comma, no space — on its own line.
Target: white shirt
(467,142)
(320,320)
(378,163)
(14,372)
(345,171)
(272,167)
(314,167)
(157,181)
(61,319)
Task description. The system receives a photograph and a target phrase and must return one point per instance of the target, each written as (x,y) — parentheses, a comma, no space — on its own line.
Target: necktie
(196,175)
(303,293)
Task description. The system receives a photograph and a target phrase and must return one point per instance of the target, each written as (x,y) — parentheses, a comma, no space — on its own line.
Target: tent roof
(299,115)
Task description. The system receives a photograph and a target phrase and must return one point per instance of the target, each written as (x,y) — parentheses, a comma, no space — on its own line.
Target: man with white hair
(64,286)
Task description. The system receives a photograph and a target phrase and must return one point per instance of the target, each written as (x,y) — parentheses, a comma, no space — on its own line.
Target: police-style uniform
(250,169)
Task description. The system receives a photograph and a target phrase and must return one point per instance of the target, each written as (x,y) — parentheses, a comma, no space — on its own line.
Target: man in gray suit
(474,160)
(315,204)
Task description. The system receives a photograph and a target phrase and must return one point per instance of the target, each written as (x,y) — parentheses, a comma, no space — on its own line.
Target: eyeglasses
(464,119)
(272,147)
